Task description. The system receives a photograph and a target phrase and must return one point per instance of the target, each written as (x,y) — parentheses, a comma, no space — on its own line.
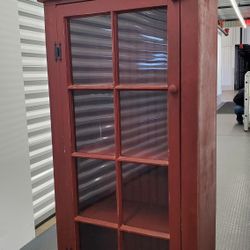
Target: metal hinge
(58,51)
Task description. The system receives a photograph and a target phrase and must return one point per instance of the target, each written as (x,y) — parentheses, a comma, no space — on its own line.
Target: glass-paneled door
(120,97)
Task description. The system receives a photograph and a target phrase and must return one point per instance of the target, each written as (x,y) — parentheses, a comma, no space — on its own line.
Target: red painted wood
(174,124)
(145,232)
(198,106)
(163,163)
(115,55)
(66,79)
(90,87)
(133,86)
(68,122)
(191,121)
(96,222)
(66,227)
(104,6)
(61,1)
(93,156)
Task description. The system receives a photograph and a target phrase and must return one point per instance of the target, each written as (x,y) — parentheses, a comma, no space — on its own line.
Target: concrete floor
(233,185)
(233,190)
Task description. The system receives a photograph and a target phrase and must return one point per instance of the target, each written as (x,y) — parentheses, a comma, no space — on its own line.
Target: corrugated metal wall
(31,20)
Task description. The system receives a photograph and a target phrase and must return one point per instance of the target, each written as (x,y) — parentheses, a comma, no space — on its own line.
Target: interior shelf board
(136,86)
(90,86)
(145,232)
(147,217)
(144,161)
(96,222)
(93,156)
(104,210)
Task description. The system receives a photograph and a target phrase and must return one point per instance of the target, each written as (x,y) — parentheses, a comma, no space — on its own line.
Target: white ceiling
(226,11)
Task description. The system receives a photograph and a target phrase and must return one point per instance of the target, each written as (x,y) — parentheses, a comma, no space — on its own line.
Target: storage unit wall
(33,49)
(134,156)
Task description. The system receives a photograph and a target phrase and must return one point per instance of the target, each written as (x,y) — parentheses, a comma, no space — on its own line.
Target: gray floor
(233,191)
(233,185)
(45,241)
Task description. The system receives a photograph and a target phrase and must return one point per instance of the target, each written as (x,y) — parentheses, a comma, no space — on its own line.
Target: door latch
(58,51)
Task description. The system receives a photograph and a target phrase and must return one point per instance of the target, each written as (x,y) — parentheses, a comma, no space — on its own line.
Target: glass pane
(96,189)
(91,49)
(138,242)
(143,46)
(144,124)
(97,238)
(145,196)
(94,121)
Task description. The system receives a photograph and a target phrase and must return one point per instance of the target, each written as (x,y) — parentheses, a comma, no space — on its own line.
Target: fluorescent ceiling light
(237,11)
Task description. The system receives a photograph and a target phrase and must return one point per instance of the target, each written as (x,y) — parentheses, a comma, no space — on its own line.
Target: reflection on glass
(143,46)
(96,189)
(144,124)
(91,49)
(138,242)
(97,238)
(94,121)
(145,196)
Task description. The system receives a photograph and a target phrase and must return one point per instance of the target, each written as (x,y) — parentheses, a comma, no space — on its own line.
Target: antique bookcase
(132,91)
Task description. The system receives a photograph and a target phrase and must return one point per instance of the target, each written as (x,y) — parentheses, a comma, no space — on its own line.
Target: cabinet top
(62,1)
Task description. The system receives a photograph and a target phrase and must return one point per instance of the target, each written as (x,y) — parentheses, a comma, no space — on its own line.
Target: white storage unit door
(31,17)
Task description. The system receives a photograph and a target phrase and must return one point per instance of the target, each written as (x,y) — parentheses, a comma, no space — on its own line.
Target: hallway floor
(233,185)
(233,190)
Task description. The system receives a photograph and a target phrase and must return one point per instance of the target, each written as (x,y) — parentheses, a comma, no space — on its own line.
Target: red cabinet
(132,92)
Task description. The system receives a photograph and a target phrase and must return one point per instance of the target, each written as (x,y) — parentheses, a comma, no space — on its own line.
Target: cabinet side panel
(207,123)
(198,77)
(66,234)
(189,123)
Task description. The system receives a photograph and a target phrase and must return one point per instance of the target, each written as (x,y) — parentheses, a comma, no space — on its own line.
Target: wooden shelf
(90,86)
(138,218)
(145,232)
(101,213)
(134,241)
(138,86)
(93,156)
(148,218)
(123,86)
(144,161)
(96,222)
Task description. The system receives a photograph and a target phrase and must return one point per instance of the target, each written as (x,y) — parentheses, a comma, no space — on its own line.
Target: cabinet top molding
(62,1)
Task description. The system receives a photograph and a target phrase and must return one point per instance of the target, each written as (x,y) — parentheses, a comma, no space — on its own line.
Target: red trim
(145,232)
(96,222)
(134,86)
(163,163)
(174,124)
(91,87)
(62,164)
(93,156)
(105,6)
(115,53)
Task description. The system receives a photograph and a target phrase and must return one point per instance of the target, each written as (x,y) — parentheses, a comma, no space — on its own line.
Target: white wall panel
(246,35)
(219,65)
(32,31)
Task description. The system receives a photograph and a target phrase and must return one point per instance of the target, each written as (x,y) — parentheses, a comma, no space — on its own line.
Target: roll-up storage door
(32,30)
